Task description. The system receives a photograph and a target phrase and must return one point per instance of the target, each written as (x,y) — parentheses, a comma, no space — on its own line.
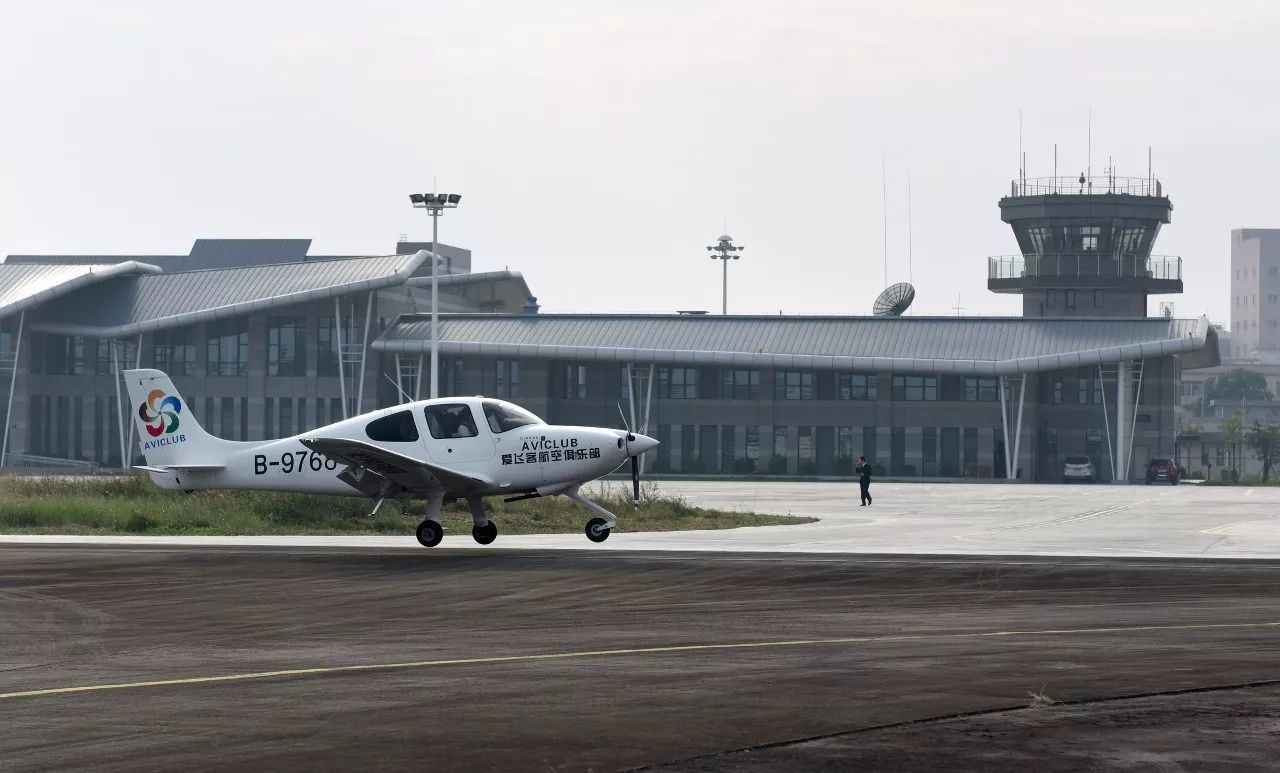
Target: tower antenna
(1089,148)
(884,208)
(910,273)
(1022,157)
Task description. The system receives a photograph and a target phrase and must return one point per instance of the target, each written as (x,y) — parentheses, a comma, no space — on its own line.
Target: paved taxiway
(536,660)
(957,519)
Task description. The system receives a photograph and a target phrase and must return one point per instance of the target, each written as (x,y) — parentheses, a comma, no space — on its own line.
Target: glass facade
(793,385)
(174,351)
(286,346)
(915,388)
(228,348)
(856,386)
(507,378)
(980,389)
(741,385)
(678,383)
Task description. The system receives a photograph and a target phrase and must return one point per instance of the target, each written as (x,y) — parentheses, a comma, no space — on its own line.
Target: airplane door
(453,436)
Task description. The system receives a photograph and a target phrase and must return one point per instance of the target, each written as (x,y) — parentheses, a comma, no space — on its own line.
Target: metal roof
(23,285)
(150,303)
(970,345)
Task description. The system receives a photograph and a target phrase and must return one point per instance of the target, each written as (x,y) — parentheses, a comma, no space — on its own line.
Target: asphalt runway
(176,657)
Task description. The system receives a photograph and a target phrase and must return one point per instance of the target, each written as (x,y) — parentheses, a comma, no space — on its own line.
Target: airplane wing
(404,471)
(170,469)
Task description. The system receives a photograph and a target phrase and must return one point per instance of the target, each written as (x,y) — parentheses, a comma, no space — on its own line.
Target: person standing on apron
(863,469)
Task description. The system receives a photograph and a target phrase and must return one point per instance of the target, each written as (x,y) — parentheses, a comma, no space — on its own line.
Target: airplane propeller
(635,461)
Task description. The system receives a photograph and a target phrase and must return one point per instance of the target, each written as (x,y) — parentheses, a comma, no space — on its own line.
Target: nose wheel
(598,530)
(430,533)
(485,534)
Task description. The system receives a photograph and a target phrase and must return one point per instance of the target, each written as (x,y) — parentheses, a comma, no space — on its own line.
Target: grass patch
(133,505)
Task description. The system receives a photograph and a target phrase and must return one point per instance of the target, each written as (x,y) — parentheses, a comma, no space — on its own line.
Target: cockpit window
(504,418)
(393,428)
(450,420)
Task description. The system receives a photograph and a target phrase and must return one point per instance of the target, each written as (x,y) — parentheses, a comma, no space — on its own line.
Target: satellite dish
(894,300)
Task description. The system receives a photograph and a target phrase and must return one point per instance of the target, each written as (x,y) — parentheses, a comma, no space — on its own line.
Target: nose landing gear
(598,529)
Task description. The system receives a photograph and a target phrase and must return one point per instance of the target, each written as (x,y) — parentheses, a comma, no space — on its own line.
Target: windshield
(1077,460)
(503,417)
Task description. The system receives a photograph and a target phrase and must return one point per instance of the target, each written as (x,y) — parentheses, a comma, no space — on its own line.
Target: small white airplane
(446,448)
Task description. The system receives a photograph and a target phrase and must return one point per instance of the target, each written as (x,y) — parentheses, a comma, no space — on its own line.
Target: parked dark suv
(1162,471)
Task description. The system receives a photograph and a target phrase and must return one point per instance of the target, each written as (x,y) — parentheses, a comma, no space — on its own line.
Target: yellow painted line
(324,670)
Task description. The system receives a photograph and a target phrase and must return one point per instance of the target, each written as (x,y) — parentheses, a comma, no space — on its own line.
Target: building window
(741,385)
(174,351)
(780,442)
(1097,299)
(845,450)
(915,388)
(61,355)
(1090,389)
(1089,238)
(575,382)
(1271,298)
(728,440)
(1057,391)
(327,340)
(805,450)
(507,378)
(970,448)
(753,446)
(286,347)
(1051,299)
(1069,298)
(856,386)
(228,346)
(793,385)
(678,383)
(978,389)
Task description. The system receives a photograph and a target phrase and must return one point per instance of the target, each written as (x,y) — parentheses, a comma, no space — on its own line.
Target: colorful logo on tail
(160,413)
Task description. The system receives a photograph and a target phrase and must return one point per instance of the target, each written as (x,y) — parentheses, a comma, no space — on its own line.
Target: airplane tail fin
(168,433)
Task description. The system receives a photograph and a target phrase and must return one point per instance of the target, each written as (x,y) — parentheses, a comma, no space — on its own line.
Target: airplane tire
(598,530)
(485,534)
(430,533)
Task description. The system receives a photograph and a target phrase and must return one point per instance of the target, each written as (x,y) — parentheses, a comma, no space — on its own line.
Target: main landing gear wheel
(598,530)
(430,533)
(485,534)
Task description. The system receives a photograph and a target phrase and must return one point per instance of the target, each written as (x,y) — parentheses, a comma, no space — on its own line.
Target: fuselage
(492,439)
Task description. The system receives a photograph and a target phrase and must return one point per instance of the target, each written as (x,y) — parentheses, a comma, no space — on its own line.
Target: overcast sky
(599,146)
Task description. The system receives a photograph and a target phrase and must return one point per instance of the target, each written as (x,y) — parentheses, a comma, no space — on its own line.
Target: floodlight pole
(724,251)
(435,204)
(435,304)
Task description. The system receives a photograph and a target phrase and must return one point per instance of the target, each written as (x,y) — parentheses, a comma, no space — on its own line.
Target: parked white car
(1078,468)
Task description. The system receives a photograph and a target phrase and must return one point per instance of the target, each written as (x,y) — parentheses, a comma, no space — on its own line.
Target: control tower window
(1129,241)
(1089,238)
(1035,238)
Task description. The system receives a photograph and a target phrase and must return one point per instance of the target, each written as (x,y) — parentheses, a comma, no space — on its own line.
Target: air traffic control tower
(1085,246)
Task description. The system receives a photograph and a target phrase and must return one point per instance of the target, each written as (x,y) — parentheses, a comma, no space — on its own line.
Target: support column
(337,340)
(417,382)
(121,410)
(1004,424)
(1122,421)
(128,414)
(364,353)
(1017,432)
(13,385)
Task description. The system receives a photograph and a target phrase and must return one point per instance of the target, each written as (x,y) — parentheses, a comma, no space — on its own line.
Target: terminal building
(265,340)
